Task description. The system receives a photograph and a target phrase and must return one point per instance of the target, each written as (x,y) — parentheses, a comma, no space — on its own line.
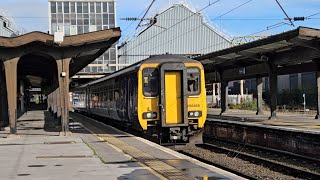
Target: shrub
(245,105)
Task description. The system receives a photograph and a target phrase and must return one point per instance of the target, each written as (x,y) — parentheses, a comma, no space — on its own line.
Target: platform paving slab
(40,153)
(145,151)
(297,121)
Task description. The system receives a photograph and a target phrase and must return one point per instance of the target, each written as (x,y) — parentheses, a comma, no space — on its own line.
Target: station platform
(93,151)
(295,133)
(298,121)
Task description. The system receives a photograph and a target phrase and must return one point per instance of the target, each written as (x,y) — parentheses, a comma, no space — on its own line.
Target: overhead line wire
(313,15)
(210,4)
(194,28)
(233,9)
(133,21)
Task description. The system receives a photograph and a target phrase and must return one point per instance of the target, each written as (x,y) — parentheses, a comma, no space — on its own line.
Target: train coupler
(178,133)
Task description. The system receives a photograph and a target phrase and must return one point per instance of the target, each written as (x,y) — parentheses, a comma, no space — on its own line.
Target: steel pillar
(273,78)
(63,78)
(10,67)
(224,96)
(4,119)
(318,95)
(259,95)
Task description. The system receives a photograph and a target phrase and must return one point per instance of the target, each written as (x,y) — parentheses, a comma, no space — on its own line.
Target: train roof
(136,66)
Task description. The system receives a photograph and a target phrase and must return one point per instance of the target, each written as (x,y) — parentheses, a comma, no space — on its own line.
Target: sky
(252,17)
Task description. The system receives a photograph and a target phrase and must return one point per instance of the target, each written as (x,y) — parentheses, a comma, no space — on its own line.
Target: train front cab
(172,100)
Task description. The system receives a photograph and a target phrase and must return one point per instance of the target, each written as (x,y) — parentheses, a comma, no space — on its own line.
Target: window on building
(66,7)
(94,69)
(105,19)
(98,19)
(92,9)
(85,29)
(53,19)
(73,19)
(54,27)
(60,18)
(59,7)
(85,7)
(79,19)
(67,30)
(150,82)
(73,7)
(98,7)
(106,55)
(80,29)
(92,19)
(67,19)
(112,54)
(79,7)
(86,19)
(193,77)
(53,7)
(105,7)
(112,69)
(111,7)
(111,20)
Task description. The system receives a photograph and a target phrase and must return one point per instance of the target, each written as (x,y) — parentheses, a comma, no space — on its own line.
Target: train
(162,96)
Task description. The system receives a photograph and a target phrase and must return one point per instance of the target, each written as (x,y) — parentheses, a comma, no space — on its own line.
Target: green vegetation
(294,98)
(245,105)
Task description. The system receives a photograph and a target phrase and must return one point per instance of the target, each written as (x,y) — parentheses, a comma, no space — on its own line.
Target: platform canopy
(292,52)
(42,60)
(83,48)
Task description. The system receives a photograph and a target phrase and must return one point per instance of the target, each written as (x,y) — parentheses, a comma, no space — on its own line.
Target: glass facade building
(82,16)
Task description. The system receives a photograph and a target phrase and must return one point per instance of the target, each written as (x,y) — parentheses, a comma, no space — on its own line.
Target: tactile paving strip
(157,165)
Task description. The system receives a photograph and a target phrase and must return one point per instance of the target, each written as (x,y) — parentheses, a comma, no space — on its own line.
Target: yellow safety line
(159,168)
(102,139)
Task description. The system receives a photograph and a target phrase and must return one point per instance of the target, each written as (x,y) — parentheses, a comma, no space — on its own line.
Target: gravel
(233,162)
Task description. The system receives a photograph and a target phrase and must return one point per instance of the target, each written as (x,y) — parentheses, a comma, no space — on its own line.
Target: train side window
(193,76)
(150,82)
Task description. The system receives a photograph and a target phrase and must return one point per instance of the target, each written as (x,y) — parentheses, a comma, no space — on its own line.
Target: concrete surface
(40,153)
(286,120)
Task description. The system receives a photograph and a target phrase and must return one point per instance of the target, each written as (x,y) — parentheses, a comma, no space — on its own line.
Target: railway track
(260,164)
(226,168)
(285,164)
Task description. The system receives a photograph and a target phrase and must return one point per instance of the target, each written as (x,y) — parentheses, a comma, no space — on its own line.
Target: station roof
(294,47)
(83,48)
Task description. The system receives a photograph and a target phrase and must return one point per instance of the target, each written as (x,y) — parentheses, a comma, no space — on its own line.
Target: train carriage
(163,96)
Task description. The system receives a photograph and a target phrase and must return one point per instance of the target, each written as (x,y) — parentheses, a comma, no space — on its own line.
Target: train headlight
(195,114)
(149,115)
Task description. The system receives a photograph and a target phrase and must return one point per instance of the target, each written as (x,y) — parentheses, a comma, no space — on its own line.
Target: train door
(173,95)
(173,92)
